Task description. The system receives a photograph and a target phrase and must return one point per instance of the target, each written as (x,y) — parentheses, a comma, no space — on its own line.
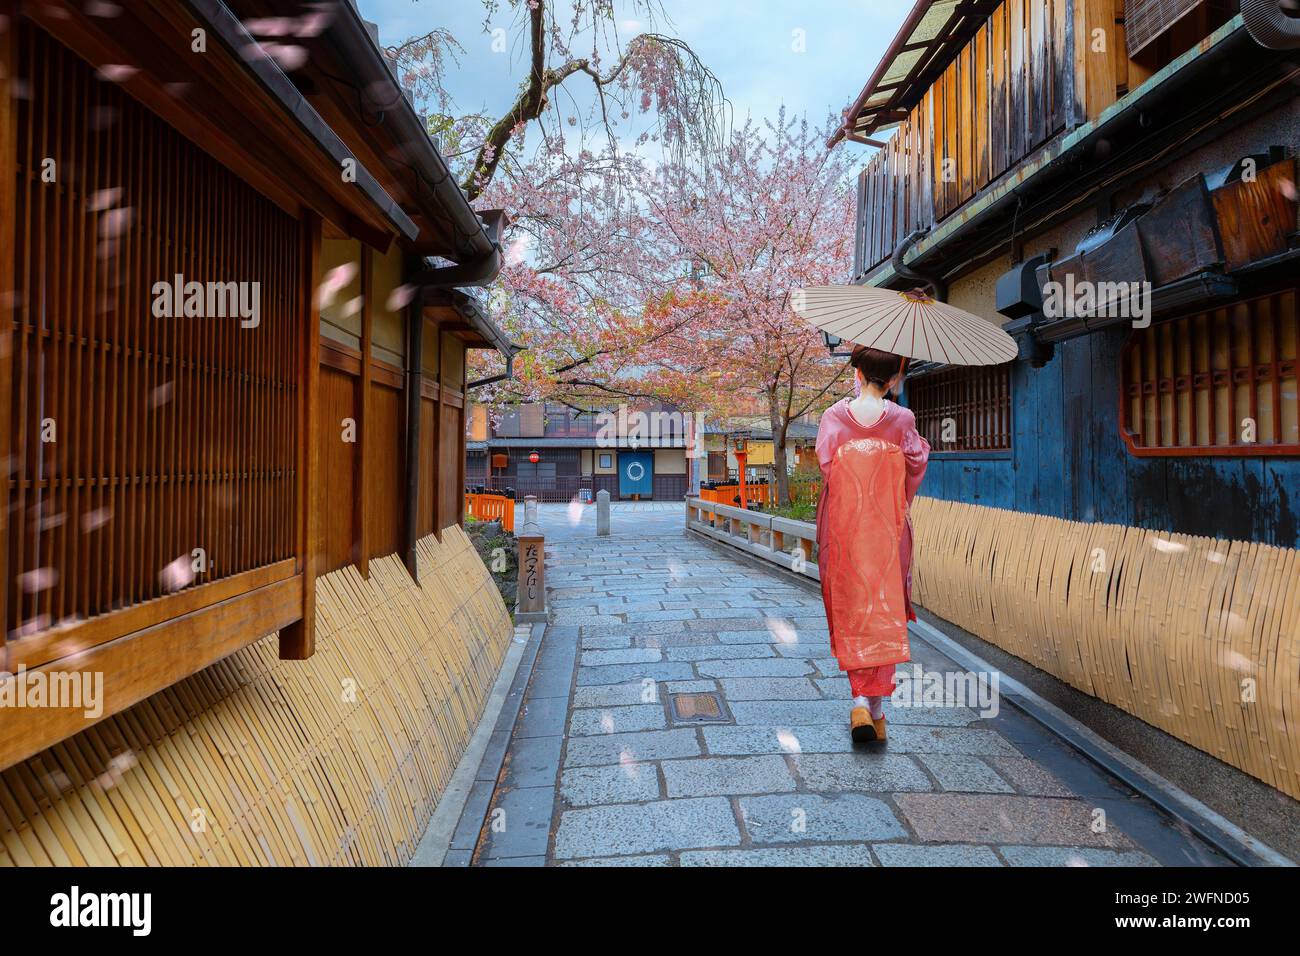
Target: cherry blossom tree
(650,72)
(773,212)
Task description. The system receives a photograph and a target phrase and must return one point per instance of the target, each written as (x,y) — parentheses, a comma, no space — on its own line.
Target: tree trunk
(779,427)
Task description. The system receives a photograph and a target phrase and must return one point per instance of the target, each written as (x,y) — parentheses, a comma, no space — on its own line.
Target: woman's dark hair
(877,367)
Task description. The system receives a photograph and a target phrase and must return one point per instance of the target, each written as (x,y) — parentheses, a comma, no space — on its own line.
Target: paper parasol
(912,324)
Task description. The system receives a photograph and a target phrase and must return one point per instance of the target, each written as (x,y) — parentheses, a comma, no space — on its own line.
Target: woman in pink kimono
(872,460)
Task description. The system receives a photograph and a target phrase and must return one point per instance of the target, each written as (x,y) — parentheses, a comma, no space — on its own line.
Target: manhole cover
(699,708)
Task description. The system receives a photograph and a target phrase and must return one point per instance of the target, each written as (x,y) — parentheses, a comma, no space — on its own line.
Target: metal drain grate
(699,708)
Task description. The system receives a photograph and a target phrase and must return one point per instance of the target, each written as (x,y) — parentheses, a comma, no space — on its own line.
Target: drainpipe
(938,286)
(414,399)
(479,271)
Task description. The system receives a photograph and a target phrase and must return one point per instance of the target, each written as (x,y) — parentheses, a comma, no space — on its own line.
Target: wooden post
(439,519)
(364,447)
(414,399)
(530,605)
(298,640)
(8,297)
(460,424)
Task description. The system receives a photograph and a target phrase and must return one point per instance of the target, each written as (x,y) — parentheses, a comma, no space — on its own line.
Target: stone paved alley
(598,772)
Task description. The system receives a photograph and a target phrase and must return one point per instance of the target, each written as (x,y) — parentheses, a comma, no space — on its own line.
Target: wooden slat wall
(1193,382)
(385,485)
(1005,95)
(340,400)
(430,472)
(8,300)
(451,461)
(172,433)
(1212,661)
(337,760)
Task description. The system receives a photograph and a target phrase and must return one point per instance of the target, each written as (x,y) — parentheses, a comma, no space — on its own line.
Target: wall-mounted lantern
(534,457)
(837,346)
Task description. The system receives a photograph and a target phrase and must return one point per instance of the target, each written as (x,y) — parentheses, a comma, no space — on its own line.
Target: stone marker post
(530,606)
(602,513)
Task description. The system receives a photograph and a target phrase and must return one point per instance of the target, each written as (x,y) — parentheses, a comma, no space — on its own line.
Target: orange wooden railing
(491,508)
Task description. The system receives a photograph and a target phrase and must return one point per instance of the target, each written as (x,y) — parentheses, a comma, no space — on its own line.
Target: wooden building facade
(232,356)
(1032,146)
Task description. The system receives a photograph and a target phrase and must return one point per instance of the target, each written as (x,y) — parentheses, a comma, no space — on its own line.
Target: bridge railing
(790,544)
(491,508)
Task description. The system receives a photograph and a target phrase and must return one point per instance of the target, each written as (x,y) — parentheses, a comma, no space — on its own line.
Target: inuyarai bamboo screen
(154,446)
(963,409)
(1221,382)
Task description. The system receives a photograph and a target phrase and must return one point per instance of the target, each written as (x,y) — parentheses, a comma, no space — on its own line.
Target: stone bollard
(602,513)
(530,604)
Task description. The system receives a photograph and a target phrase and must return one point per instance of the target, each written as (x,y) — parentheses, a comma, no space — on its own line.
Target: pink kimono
(864,539)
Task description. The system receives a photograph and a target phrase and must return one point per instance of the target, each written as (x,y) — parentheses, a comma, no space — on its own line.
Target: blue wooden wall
(1068,460)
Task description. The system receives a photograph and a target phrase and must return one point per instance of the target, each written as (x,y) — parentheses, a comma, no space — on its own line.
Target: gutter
(472,312)
(349,34)
(231,31)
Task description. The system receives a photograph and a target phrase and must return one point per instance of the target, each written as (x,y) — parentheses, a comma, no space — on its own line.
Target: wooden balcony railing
(1036,68)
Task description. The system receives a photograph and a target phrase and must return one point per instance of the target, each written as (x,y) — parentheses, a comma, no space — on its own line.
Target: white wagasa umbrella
(911,324)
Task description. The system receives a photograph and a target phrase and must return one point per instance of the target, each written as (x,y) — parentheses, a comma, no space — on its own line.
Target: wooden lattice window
(135,440)
(963,409)
(1215,383)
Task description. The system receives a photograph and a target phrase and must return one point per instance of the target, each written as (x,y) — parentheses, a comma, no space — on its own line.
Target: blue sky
(749,44)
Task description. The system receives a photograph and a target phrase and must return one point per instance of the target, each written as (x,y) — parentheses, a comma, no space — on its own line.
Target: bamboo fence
(1196,636)
(336,760)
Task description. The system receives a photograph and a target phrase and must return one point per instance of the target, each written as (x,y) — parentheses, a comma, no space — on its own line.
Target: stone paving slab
(626,783)
(771,688)
(615,720)
(646,828)
(613,695)
(909,854)
(965,773)
(718,652)
(1072,856)
(632,655)
(622,673)
(803,817)
(721,776)
(648,860)
(855,772)
(776,667)
(832,855)
(977,818)
(597,775)
(618,748)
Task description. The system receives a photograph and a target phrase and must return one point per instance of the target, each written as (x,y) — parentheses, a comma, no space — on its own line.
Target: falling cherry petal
(94,520)
(177,575)
(114,222)
(336,280)
(117,72)
(38,580)
(160,395)
(400,298)
(102,199)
